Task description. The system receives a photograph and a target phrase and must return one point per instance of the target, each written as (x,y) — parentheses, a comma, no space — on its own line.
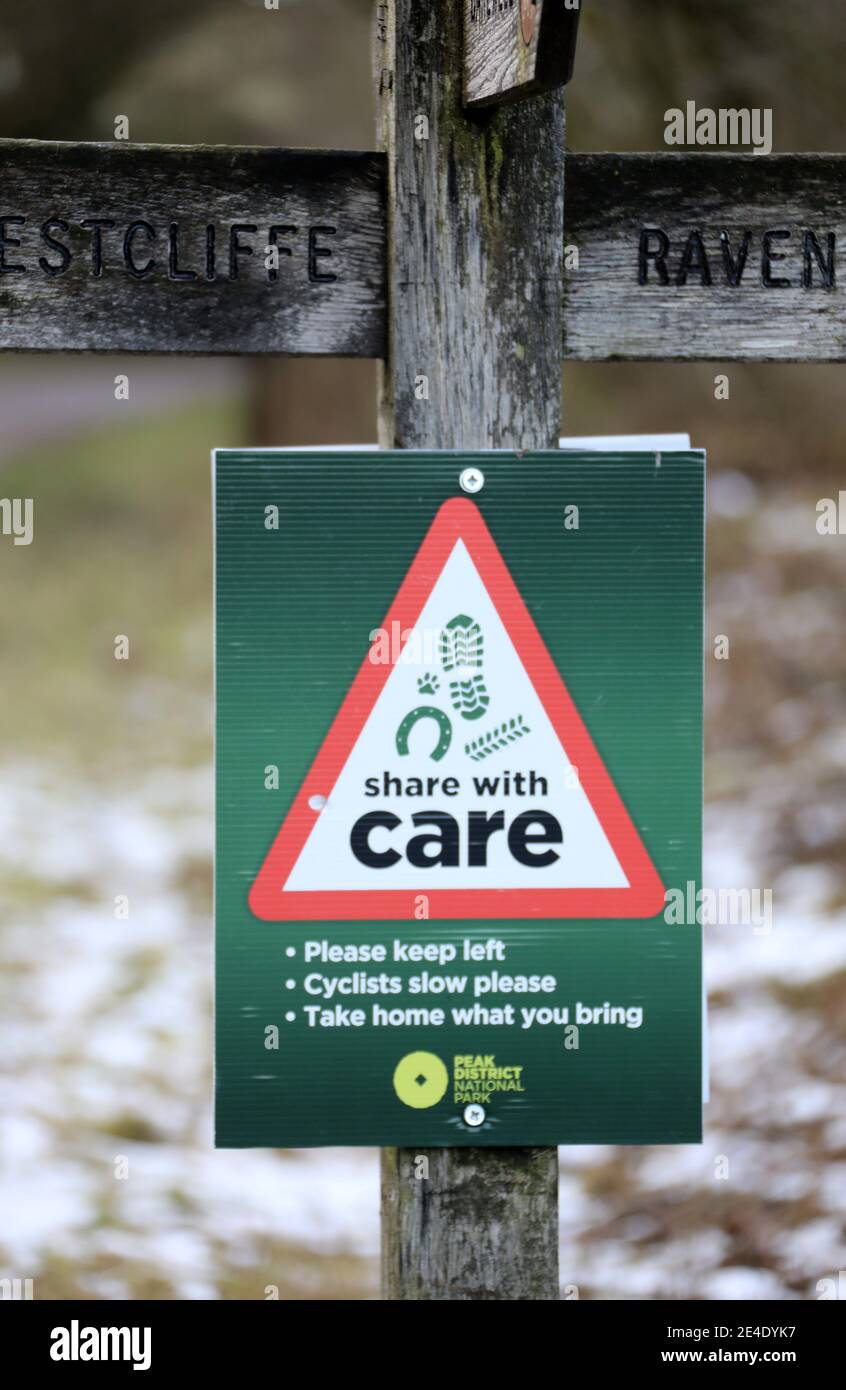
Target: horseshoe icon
(425,712)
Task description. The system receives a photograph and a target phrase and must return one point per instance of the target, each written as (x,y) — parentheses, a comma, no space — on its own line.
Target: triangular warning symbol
(458,779)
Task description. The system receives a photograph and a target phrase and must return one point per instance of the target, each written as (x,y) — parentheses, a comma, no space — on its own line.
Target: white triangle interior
(585,858)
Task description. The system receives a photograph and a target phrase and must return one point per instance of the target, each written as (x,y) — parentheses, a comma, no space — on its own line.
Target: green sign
(459,745)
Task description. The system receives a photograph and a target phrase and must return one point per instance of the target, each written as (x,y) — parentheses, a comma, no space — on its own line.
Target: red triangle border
(459,518)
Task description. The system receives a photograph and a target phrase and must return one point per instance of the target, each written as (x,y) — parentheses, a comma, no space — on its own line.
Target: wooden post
(475,250)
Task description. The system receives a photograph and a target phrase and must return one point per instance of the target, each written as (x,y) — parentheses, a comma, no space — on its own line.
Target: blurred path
(46,398)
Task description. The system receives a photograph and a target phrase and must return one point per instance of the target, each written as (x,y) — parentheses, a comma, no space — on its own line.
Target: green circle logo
(420,1080)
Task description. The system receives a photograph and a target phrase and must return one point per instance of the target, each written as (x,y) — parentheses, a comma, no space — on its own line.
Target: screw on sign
(472,480)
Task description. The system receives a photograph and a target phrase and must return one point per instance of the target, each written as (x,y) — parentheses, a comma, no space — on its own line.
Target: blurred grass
(122,545)
(298,1273)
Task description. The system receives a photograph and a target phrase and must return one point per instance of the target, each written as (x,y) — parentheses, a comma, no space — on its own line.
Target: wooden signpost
(706,256)
(443,256)
(517,48)
(144,248)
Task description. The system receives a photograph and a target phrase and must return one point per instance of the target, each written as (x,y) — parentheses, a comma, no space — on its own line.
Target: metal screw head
(474,1116)
(472,480)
